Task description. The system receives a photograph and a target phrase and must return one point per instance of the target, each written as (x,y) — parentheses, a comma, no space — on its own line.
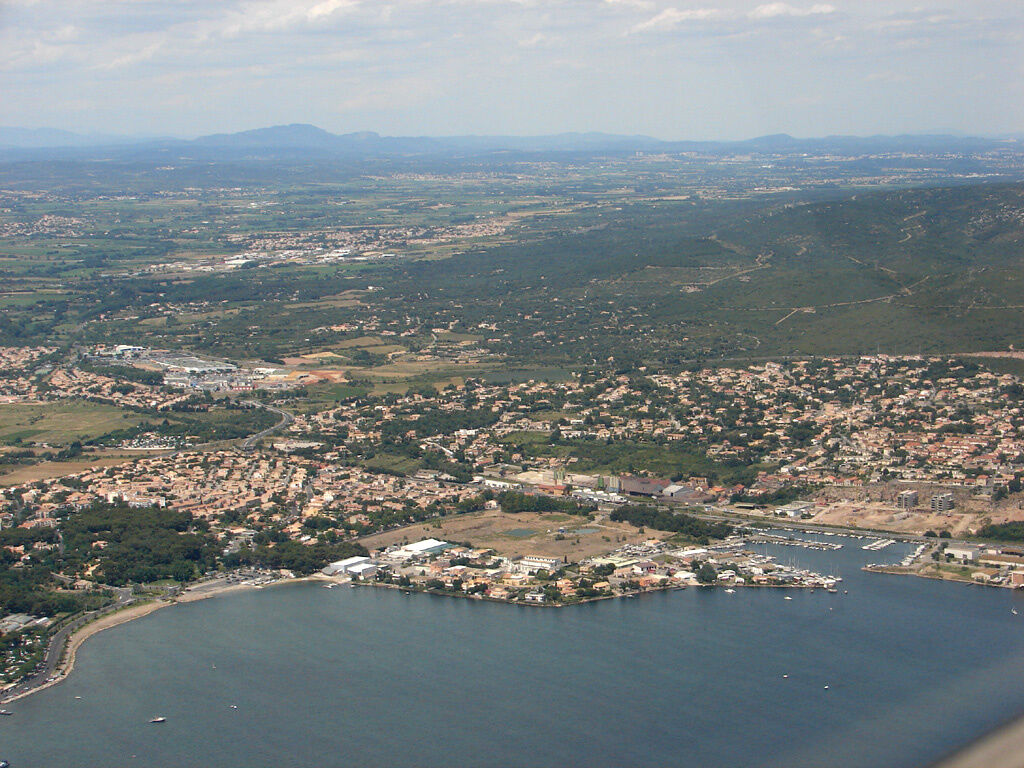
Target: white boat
(788,597)
(730,591)
(158,720)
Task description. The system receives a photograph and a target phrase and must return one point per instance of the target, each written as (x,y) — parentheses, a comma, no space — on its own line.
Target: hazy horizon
(714,70)
(145,137)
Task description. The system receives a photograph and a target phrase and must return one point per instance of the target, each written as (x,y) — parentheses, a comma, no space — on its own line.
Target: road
(286,419)
(55,648)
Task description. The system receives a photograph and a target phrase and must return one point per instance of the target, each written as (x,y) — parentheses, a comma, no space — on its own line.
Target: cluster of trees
(138,545)
(434,422)
(301,558)
(513,501)
(665,520)
(125,373)
(1003,531)
(30,587)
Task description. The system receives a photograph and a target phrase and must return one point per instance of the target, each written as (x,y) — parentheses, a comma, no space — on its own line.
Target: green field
(61,423)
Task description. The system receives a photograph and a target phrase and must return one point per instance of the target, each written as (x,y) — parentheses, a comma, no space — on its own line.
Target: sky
(673,69)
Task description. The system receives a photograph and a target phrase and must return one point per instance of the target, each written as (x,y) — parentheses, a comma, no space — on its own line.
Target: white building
(967,553)
(425,547)
(363,571)
(539,563)
(345,566)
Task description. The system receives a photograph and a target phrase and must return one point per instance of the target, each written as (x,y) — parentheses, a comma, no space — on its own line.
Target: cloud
(772,10)
(276,15)
(671,18)
(539,40)
(134,57)
(631,3)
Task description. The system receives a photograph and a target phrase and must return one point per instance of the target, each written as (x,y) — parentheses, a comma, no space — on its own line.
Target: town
(539,492)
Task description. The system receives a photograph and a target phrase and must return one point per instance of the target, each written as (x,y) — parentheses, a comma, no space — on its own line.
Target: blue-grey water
(340,677)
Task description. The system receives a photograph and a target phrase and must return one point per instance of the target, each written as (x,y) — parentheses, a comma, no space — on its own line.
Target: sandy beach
(197,592)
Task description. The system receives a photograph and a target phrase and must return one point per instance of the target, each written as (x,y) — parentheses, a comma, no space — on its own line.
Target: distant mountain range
(308,139)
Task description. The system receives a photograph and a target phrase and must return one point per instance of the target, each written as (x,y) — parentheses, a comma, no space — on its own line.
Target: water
(694,678)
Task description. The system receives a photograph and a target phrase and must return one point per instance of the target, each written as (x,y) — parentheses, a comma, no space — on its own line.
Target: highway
(286,419)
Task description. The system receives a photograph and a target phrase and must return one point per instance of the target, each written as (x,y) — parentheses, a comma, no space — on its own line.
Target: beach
(70,645)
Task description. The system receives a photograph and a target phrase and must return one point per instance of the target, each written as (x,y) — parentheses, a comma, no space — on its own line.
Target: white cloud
(539,40)
(279,15)
(771,10)
(328,7)
(631,3)
(133,57)
(673,17)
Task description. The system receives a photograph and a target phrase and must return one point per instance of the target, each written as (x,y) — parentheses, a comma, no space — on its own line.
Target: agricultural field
(433,270)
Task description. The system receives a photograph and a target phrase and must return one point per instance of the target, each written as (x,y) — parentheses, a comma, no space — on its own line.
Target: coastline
(68,653)
(71,644)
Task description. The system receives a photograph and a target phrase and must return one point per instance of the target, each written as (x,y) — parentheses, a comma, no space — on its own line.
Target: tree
(707,574)
(183,571)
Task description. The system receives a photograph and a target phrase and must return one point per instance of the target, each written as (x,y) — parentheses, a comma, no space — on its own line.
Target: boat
(730,591)
(328,586)
(6,712)
(833,591)
(158,720)
(4,764)
(1013,611)
(788,597)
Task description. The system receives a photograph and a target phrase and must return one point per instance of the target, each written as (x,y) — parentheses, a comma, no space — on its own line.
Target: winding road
(286,419)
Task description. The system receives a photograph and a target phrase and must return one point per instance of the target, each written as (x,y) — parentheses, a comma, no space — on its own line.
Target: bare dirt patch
(523,534)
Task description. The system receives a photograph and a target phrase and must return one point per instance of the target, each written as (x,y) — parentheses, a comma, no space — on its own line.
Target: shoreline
(895,570)
(1000,747)
(68,653)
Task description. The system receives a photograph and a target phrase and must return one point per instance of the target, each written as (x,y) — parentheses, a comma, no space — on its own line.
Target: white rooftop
(425,546)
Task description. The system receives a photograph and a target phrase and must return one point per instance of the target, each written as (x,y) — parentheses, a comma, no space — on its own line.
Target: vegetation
(513,502)
(138,545)
(665,520)
(1002,531)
